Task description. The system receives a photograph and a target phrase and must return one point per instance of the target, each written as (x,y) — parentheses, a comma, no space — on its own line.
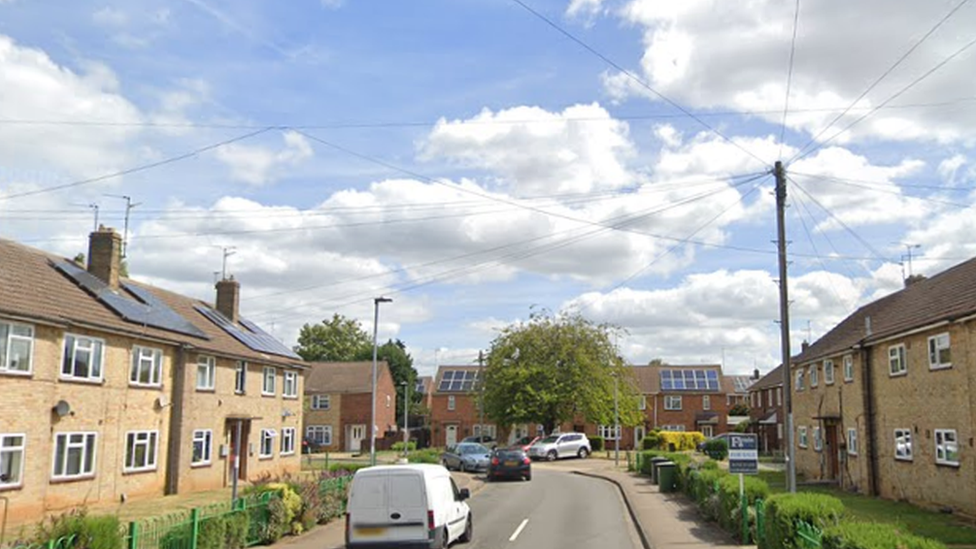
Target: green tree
(553,369)
(338,340)
(401,368)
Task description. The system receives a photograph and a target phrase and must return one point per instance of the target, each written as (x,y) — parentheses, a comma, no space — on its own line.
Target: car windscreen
(549,440)
(509,454)
(472,449)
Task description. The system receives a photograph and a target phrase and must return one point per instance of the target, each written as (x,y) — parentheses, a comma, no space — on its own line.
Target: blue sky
(472,162)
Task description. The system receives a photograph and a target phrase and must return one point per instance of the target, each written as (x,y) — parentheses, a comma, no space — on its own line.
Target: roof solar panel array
(689,380)
(250,335)
(459,380)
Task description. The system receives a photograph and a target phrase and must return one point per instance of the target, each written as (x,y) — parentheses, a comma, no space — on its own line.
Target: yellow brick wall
(326,417)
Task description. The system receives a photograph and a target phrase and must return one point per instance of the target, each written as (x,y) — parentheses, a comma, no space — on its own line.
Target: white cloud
(584,7)
(110,17)
(949,168)
(257,165)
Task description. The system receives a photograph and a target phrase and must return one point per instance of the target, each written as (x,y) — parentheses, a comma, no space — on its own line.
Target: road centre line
(518,530)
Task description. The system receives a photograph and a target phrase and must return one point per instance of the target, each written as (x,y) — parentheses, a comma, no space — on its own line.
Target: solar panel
(249,334)
(689,380)
(459,380)
(145,309)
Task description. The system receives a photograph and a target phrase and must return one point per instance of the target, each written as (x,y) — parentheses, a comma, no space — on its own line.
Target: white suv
(561,446)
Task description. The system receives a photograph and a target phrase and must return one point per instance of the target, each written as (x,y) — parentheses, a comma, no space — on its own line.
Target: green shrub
(717,449)
(731,504)
(238,525)
(212,533)
(866,535)
(428,455)
(783,511)
(652,440)
(347,467)
(398,446)
(277,523)
(677,441)
(709,465)
(596,443)
(91,532)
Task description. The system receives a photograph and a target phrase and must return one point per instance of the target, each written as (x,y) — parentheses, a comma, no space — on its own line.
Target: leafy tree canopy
(338,340)
(555,368)
(401,368)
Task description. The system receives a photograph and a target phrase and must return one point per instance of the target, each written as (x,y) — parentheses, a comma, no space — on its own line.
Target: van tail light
(526,460)
(430,520)
(494,461)
(348,526)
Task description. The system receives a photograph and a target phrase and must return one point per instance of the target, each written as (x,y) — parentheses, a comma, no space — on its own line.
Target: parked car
(701,445)
(481,439)
(561,446)
(416,505)
(467,456)
(310,446)
(525,442)
(510,463)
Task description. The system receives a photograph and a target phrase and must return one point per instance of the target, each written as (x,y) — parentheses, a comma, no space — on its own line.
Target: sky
(480,160)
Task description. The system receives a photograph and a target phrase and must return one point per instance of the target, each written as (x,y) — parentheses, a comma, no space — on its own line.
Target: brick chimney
(229,298)
(755,374)
(914,279)
(804,346)
(105,255)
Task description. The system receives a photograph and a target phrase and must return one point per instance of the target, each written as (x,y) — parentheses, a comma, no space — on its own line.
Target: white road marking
(518,530)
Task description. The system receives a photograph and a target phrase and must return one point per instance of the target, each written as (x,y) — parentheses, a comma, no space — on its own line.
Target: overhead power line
(853,183)
(789,78)
(852,232)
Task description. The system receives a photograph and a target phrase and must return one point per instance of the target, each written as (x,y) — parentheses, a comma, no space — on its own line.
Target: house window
(147,366)
(389,400)
(450,402)
(903,444)
(706,402)
(267,443)
(817,439)
(852,441)
(672,402)
(206,372)
(608,432)
(74,455)
(240,377)
(769,398)
(779,431)
(848,368)
(802,436)
(321,402)
(268,385)
(140,450)
(779,396)
(707,431)
(16,348)
(752,400)
(202,446)
(676,428)
(946,447)
(939,352)
(290,387)
(799,379)
(814,375)
(829,372)
(11,460)
(642,405)
(897,365)
(82,358)
(319,434)
(287,441)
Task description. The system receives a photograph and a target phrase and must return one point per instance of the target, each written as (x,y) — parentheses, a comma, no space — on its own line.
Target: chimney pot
(105,255)
(229,298)
(755,374)
(804,345)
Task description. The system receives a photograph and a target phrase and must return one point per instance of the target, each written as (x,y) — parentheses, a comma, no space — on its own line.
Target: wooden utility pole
(784,323)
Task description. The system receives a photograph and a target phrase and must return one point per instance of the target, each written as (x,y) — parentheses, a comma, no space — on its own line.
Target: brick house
(425,387)
(766,413)
(454,412)
(884,402)
(114,389)
(338,402)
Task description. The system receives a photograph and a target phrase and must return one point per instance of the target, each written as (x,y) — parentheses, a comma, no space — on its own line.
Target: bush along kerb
(785,511)
(717,449)
(596,443)
(869,535)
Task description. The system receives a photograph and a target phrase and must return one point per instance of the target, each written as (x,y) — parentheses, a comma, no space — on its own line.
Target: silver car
(561,446)
(467,456)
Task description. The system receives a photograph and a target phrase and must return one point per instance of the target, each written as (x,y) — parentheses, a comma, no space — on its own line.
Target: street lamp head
(378,300)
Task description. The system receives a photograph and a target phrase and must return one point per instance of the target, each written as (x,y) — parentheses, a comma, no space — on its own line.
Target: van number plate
(376,531)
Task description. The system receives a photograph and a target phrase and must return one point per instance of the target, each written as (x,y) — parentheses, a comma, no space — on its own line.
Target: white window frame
(96,346)
(942,445)
(904,435)
(848,368)
(5,456)
(769,398)
(7,344)
(817,439)
(814,376)
(267,441)
(451,403)
(312,431)
(389,400)
(289,385)
(206,373)
(642,405)
(852,441)
(68,446)
(607,432)
(937,344)
(801,437)
(287,441)
(149,439)
(273,372)
(779,396)
(669,402)
(317,401)
(240,378)
(146,358)
(828,372)
(706,402)
(901,355)
(205,438)
(673,428)
(799,379)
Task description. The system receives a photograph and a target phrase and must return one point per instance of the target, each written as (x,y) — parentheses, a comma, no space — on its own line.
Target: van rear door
(388,507)
(367,508)
(407,506)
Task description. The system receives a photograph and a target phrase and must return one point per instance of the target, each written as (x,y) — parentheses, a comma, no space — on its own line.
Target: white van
(406,506)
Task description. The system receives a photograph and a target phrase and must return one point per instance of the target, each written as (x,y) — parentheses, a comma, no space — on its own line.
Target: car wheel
(528,477)
(551,456)
(583,452)
(468,531)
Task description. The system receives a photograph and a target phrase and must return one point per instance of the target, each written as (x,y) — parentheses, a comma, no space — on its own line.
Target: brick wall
(464,416)
(330,417)
(691,405)
(767,401)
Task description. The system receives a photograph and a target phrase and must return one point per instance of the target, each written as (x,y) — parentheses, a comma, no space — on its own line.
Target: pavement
(663,521)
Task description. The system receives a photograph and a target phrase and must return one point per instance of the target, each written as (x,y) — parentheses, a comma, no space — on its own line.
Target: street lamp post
(616,425)
(406,418)
(372,414)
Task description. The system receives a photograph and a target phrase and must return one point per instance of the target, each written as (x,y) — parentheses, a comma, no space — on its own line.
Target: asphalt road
(555,510)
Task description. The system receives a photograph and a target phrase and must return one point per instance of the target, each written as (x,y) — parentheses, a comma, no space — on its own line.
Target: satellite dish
(162,401)
(62,408)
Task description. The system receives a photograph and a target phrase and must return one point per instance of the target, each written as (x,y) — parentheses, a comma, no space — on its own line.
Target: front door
(830,448)
(450,434)
(639,433)
(708,431)
(245,427)
(354,438)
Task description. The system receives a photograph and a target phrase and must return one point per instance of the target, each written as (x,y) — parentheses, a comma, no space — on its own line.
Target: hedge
(717,449)
(427,455)
(596,443)
(868,535)
(91,531)
(784,511)
(730,504)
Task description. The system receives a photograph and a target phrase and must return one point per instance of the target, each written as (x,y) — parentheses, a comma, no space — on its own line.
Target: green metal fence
(64,542)
(242,521)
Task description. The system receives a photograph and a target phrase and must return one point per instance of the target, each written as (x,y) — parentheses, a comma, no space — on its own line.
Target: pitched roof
(736,384)
(32,288)
(442,370)
(425,384)
(342,377)
(773,379)
(649,376)
(946,296)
